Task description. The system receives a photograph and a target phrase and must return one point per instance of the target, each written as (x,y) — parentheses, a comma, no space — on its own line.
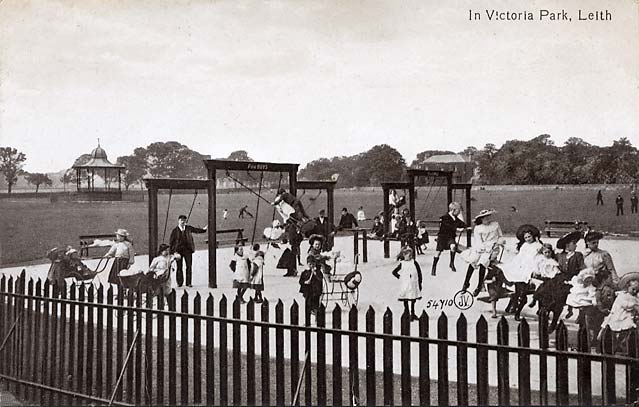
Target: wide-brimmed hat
(627,278)
(484,213)
(568,237)
(352,280)
(527,228)
(122,232)
(315,237)
(587,273)
(591,235)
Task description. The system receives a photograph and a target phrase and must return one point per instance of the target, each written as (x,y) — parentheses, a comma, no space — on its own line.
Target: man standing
(244,211)
(181,242)
(599,198)
(448,226)
(347,221)
(634,201)
(619,202)
(326,229)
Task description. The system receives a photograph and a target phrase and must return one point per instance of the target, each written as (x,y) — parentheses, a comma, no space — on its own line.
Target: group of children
(248,267)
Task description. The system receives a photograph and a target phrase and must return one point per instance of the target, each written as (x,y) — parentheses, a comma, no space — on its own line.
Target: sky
(295,80)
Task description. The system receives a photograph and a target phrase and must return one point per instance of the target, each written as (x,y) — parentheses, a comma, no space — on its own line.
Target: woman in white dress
(487,237)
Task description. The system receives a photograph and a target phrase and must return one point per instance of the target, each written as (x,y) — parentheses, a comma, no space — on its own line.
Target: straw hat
(352,280)
(627,278)
(485,212)
(527,228)
(122,232)
(568,237)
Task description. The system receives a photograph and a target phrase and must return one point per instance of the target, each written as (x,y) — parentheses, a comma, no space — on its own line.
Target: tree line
(517,162)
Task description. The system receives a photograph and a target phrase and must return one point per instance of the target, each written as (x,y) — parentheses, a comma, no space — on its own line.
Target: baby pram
(66,263)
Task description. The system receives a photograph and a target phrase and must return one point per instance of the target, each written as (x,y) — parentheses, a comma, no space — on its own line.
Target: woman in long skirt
(124,256)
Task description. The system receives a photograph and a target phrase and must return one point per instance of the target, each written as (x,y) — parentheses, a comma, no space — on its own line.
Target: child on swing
(410,279)
(284,196)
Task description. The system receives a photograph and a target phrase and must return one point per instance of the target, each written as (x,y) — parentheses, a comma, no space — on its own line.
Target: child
(410,280)
(257,273)
(241,266)
(546,269)
(583,292)
(122,251)
(625,310)
(287,261)
(494,283)
(161,265)
(377,231)
(571,262)
(422,237)
(522,266)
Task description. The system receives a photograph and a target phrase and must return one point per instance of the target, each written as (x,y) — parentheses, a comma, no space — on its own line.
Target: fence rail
(67,346)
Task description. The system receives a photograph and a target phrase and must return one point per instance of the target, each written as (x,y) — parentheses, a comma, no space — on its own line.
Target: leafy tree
(11,162)
(38,179)
(135,167)
(382,162)
(174,160)
(67,178)
(239,155)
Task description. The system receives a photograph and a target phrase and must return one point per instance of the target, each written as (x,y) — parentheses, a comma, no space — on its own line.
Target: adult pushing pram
(66,263)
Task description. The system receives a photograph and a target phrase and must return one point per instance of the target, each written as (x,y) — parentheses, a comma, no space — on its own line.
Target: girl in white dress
(241,267)
(410,280)
(487,237)
(522,266)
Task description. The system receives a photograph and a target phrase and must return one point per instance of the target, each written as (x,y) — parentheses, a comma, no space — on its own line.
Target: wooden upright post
(153,221)
(330,205)
(468,209)
(386,223)
(212,235)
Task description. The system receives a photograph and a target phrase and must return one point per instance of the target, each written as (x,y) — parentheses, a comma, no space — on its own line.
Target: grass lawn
(31,227)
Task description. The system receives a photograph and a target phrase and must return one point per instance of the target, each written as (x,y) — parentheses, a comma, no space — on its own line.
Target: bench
(86,242)
(560,228)
(239,237)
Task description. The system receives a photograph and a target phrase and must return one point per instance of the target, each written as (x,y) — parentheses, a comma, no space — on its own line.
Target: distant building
(464,168)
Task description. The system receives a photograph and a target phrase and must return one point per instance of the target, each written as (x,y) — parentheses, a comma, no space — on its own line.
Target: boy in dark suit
(326,229)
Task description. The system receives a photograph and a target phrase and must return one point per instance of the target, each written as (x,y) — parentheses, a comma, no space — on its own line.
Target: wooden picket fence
(76,347)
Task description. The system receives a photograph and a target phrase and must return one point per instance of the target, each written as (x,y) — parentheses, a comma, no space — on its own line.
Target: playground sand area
(378,291)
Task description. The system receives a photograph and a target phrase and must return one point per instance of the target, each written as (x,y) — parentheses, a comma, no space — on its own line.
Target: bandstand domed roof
(99,160)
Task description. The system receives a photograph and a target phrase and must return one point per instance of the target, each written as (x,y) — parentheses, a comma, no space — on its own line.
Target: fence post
(73,337)
(265,355)
(371,387)
(197,349)
(481,333)
(79,367)
(210,351)
(503,365)
(109,343)
(353,355)
(424,362)
(321,356)
(237,358)
(584,379)
(337,356)
(632,369)
(543,360)
(90,343)
(355,244)
(523,375)
(279,354)
(388,358)
(130,334)
(406,386)
(160,353)
(562,365)
(295,348)
(250,353)
(224,361)
(442,361)
(148,349)
(608,368)
(119,349)
(184,349)
(462,360)
(172,390)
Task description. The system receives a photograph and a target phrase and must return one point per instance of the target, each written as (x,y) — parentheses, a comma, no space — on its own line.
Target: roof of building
(99,160)
(445,158)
